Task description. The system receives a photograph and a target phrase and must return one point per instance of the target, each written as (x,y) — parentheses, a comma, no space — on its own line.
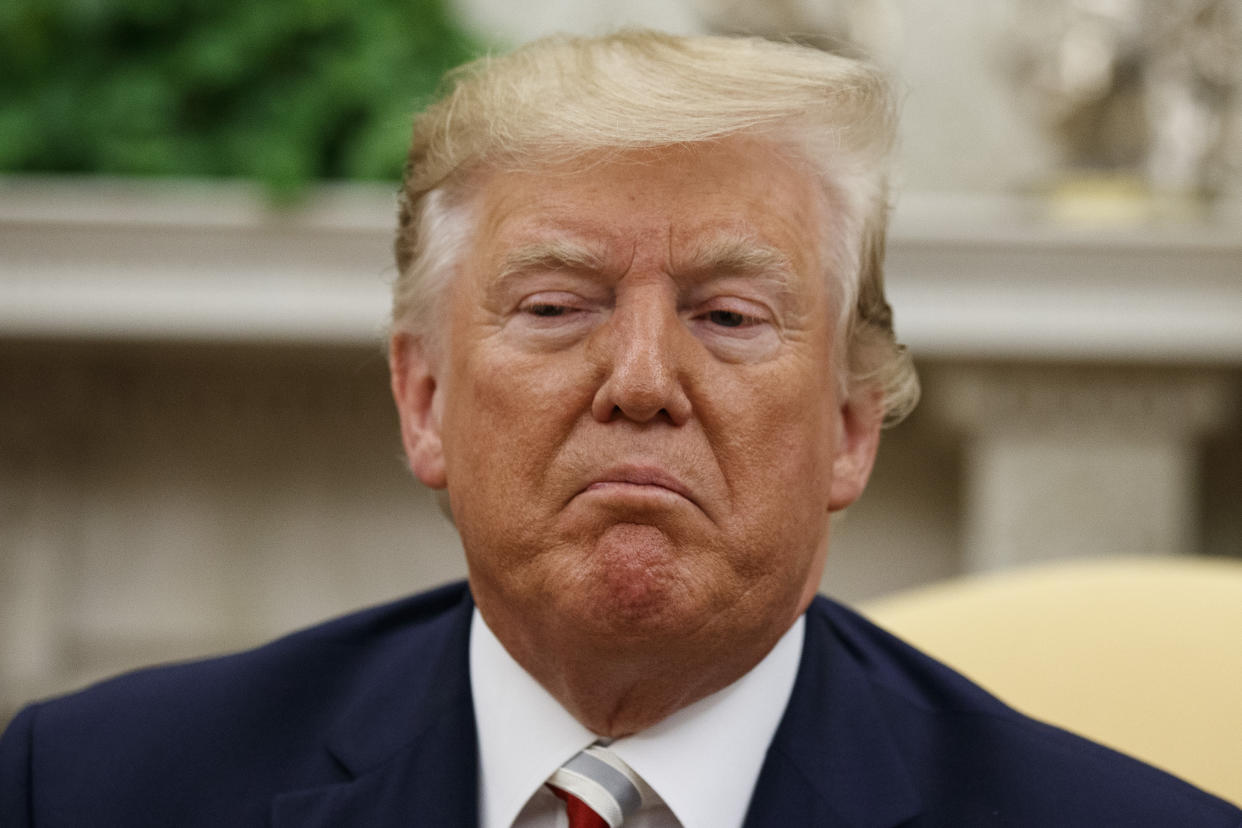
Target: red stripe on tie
(580,814)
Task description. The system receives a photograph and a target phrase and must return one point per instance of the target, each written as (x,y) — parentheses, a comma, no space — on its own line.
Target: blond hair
(558,98)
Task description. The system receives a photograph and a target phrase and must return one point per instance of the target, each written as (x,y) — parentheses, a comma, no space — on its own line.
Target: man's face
(635,414)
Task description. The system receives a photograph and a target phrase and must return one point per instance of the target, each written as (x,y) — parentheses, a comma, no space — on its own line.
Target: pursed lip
(641,476)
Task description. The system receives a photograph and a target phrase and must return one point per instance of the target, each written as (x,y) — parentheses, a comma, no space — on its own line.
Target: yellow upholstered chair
(1141,654)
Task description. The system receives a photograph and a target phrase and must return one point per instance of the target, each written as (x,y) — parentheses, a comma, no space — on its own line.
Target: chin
(637,583)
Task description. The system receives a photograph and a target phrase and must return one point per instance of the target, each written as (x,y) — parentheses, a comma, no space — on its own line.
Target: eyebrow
(557,254)
(723,255)
(732,255)
(742,256)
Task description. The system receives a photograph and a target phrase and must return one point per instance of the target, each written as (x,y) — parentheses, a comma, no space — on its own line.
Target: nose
(643,351)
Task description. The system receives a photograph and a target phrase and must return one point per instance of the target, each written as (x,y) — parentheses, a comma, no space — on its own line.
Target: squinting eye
(546,310)
(727,319)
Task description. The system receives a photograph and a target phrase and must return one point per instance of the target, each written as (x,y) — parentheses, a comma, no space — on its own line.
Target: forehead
(670,202)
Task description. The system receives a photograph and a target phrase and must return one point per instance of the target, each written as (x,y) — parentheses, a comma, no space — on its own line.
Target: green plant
(284,91)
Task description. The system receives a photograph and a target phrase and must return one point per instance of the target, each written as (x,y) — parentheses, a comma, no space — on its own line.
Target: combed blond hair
(558,98)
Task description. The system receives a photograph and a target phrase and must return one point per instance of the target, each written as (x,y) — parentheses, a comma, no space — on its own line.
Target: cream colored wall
(162,502)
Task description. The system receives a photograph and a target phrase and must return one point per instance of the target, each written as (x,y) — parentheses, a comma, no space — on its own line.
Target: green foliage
(285,91)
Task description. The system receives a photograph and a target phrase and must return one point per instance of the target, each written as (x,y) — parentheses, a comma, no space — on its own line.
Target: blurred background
(197,449)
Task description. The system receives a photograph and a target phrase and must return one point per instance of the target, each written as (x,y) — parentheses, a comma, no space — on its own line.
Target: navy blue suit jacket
(368,721)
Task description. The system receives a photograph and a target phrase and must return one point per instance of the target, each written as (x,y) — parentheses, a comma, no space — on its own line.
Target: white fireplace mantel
(969,276)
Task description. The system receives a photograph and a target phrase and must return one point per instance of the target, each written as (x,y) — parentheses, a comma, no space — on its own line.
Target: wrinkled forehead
(734,204)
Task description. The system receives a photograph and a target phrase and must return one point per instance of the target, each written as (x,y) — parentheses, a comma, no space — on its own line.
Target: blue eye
(727,319)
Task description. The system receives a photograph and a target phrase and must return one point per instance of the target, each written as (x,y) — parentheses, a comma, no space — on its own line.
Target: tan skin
(637,422)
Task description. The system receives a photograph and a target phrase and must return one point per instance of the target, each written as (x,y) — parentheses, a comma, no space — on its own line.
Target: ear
(858,439)
(417,394)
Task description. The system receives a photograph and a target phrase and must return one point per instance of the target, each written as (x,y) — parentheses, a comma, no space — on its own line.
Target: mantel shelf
(970,276)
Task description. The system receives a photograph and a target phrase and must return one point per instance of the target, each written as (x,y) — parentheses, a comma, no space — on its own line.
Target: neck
(616,689)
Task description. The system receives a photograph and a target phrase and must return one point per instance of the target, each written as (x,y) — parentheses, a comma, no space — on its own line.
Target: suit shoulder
(967,750)
(319,656)
(242,723)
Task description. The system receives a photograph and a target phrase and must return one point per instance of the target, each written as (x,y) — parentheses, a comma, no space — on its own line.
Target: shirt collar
(703,760)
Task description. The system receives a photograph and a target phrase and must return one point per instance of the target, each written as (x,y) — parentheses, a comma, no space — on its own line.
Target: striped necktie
(599,790)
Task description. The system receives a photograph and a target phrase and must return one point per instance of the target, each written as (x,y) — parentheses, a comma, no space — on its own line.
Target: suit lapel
(409,748)
(832,761)
(408,741)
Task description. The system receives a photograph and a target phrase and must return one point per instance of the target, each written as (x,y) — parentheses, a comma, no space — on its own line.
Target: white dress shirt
(701,763)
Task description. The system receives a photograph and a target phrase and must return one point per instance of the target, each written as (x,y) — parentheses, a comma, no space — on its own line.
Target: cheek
(787,417)
(508,418)
(778,455)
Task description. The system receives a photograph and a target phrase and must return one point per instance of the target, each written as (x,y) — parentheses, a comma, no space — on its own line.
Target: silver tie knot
(599,778)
